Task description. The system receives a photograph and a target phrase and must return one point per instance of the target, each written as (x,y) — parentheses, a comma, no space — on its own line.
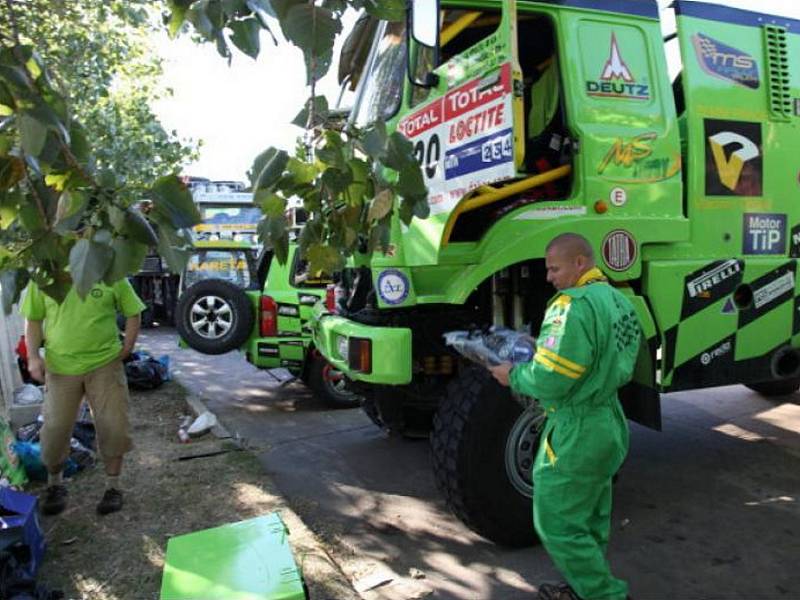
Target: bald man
(586,350)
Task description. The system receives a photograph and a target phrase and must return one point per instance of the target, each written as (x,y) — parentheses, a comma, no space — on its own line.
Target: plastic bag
(145,372)
(493,347)
(27,395)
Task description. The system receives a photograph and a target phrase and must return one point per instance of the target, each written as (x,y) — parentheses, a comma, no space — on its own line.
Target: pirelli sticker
(710,283)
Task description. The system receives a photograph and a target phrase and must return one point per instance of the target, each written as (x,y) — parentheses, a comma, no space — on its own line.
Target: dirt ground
(121,556)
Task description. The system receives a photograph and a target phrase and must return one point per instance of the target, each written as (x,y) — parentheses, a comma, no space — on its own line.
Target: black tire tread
(450,440)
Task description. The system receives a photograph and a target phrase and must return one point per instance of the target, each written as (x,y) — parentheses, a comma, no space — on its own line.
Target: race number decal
(464,139)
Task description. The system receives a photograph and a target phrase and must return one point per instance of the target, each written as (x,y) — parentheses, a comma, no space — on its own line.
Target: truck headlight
(342,347)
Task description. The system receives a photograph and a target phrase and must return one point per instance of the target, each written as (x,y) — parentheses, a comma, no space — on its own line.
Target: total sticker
(619,250)
(393,286)
(618,196)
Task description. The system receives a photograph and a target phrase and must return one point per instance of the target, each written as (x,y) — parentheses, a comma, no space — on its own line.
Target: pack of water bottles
(494,346)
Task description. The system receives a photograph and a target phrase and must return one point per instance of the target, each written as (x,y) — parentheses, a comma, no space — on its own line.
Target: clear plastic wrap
(493,347)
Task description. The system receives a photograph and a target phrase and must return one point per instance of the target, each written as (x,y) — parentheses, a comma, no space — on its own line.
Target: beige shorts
(106,391)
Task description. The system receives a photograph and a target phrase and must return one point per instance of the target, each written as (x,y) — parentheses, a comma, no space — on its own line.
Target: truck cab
(543,118)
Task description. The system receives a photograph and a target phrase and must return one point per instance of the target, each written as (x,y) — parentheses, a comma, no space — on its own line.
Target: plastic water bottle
(183,436)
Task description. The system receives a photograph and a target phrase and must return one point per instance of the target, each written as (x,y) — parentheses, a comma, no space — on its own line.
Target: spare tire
(214,316)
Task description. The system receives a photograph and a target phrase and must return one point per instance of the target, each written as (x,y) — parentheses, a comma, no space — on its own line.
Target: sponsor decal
(773,289)
(707,357)
(291,364)
(393,286)
(264,350)
(725,62)
(626,153)
(770,290)
(551,212)
(794,250)
(464,139)
(729,308)
(616,79)
(734,165)
(619,250)
(308,299)
(288,310)
(483,153)
(618,196)
(292,343)
(763,233)
(550,342)
(703,285)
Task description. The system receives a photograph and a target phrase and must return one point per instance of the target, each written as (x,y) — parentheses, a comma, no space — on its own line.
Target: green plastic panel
(247,560)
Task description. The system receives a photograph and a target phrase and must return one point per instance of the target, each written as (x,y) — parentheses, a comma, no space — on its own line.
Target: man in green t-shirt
(82,358)
(586,350)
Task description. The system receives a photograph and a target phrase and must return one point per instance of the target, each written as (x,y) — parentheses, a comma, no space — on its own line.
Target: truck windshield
(382,87)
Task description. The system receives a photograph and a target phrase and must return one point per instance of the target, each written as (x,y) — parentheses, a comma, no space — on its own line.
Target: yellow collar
(592,275)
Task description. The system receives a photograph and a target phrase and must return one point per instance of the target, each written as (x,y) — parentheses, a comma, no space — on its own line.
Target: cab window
(228,265)
(383,87)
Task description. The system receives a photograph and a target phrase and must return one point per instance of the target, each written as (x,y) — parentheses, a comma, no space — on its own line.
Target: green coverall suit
(586,350)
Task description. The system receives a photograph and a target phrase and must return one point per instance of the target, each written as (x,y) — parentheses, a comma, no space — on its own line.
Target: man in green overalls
(586,350)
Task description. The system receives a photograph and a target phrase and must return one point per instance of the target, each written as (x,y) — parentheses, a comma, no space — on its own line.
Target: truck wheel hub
(521,446)
(211,317)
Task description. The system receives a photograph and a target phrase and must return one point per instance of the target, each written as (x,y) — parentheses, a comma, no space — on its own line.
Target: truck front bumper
(380,355)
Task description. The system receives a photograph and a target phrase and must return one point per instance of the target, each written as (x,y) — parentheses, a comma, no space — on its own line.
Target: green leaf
(88,263)
(246,36)
(389,10)
(323,259)
(411,183)
(272,169)
(12,171)
(9,207)
(31,217)
(69,211)
(12,282)
(301,172)
(311,28)
(5,145)
(317,65)
(357,191)
(270,203)
(379,237)
(399,152)
(174,249)
(381,205)
(173,204)
(320,106)
(137,228)
(128,259)
(78,142)
(281,8)
(32,134)
(262,5)
(234,8)
(336,180)
(178,10)
(375,140)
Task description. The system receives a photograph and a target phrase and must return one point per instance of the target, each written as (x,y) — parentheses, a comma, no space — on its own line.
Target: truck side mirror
(424,30)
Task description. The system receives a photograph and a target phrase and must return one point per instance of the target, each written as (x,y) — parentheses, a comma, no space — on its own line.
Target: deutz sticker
(725,62)
(763,233)
(733,158)
(616,79)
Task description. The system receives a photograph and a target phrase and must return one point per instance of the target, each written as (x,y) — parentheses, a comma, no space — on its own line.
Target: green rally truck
(532,119)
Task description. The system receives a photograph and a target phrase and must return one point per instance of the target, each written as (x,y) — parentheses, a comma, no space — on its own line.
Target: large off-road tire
(780,387)
(483,443)
(214,316)
(328,384)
